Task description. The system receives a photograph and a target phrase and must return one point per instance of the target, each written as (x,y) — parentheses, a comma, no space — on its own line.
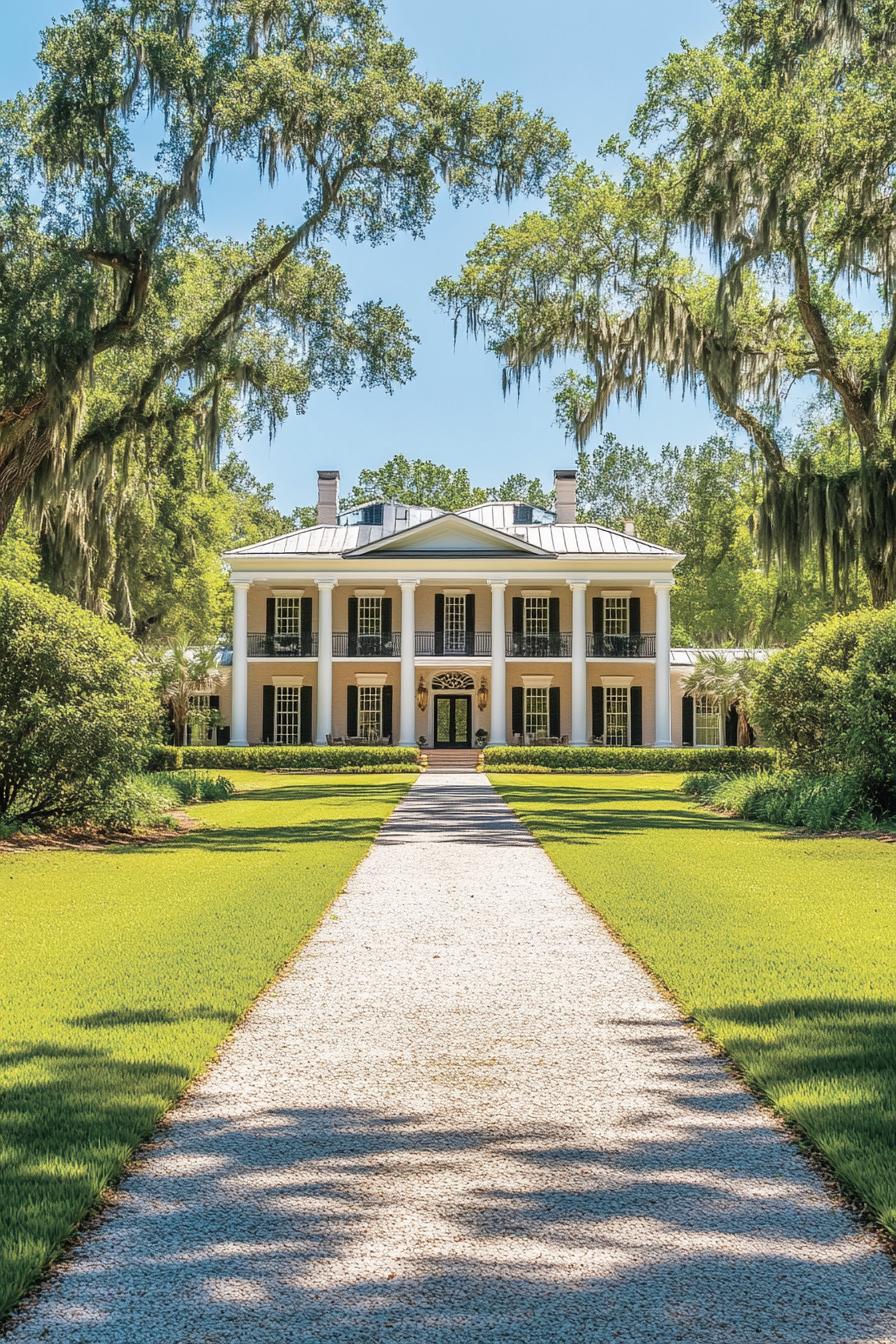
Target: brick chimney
(327,497)
(629,527)
(565,496)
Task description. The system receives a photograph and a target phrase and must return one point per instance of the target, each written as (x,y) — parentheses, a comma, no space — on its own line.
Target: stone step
(447,758)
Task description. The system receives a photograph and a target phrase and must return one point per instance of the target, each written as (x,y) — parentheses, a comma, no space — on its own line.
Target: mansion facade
(503,622)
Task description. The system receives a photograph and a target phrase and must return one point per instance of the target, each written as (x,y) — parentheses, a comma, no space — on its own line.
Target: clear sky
(584,62)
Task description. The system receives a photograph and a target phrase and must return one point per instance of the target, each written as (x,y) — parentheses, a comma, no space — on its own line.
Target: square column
(239,672)
(324,659)
(663,666)
(406,716)
(579,725)
(498,734)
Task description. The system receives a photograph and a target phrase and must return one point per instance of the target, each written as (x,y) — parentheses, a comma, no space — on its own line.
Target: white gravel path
(466,1115)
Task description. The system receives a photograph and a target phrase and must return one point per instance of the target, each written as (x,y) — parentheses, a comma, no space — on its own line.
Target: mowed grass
(782,948)
(122,970)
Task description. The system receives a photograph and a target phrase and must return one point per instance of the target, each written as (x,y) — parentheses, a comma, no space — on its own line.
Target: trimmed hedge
(337,759)
(594,760)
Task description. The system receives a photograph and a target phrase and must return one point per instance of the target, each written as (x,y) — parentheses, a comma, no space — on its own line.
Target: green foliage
(298,758)
(179,673)
(161,756)
(138,802)
(129,967)
(802,702)
(195,786)
(767,154)
(871,717)
(575,760)
(19,551)
(780,949)
(729,683)
(75,710)
(786,798)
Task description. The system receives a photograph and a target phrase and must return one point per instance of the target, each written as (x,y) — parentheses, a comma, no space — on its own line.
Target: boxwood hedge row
(367,759)
(566,760)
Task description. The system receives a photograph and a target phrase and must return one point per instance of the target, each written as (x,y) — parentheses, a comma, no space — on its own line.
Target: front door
(452,720)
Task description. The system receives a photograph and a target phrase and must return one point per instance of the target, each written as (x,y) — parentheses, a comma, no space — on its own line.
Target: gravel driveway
(466,1115)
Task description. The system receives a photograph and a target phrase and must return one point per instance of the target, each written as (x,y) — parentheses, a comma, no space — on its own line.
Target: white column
(498,734)
(579,724)
(324,658)
(406,715)
(663,666)
(239,672)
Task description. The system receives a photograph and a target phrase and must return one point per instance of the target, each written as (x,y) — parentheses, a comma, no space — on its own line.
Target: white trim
(615,592)
(370,592)
(287,592)
(287,681)
(457,592)
(371,678)
(537,681)
(535,592)
(616,681)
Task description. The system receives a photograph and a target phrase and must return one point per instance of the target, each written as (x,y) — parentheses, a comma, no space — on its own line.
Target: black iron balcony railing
(621,646)
(350,645)
(538,646)
(282,646)
(442,643)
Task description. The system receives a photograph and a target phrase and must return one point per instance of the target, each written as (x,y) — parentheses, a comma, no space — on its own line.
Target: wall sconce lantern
(482,694)
(422,694)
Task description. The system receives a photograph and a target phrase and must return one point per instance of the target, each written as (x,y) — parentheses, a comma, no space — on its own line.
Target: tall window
(537,720)
(455,623)
(535,615)
(615,615)
(287,715)
(199,713)
(288,615)
(370,615)
(616,716)
(707,721)
(370,711)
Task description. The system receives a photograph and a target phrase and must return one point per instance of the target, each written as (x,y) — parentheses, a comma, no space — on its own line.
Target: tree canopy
(119,317)
(739,243)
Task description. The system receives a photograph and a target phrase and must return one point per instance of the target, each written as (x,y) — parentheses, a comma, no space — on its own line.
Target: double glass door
(452,718)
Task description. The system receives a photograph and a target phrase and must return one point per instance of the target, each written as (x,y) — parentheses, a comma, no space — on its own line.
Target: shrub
(871,709)
(163,757)
(139,800)
(786,798)
(193,786)
(298,758)
(75,711)
(801,695)
(586,760)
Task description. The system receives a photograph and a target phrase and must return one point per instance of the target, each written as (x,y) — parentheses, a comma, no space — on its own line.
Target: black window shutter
(516,606)
(306,623)
(597,707)
(306,732)
(386,617)
(636,731)
(352,626)
(267,714)
(224,735)
(731,727)
(387,712)
(351,717)
(634,617)
(554,711)
(440,623)
(687,720)
(597,624)
(214,703)
(554,615)
(470,619)
(516,708)
(271,616)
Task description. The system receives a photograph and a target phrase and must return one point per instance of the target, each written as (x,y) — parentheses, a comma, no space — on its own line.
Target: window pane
(370,711)
(707,722)
(286,714)
(616,616)
(536,711)
(535,615)
(288,615)
(370,618)
(616,716)
(455,623)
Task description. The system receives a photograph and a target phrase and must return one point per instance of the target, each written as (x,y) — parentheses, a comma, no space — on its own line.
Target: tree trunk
(20,459)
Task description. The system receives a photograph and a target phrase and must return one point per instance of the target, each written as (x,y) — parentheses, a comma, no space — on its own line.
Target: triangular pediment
(450,534)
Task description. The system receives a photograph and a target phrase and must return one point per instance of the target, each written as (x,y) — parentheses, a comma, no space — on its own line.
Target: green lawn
(122,970)
(783,948)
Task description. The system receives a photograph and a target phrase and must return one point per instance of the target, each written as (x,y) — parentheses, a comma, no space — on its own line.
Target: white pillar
(324,658)
(239,672)
(498,734)
(663,666)
(579,724)
(406,715)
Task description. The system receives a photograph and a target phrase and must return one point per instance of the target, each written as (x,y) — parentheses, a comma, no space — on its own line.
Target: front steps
(454,759)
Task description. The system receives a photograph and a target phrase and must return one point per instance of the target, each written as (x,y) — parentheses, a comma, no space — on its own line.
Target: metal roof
(688,657)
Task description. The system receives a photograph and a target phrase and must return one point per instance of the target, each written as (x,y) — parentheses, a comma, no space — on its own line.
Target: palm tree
(182,672)
(726,680)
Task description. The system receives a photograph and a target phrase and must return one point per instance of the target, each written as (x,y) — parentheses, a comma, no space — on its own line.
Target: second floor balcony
(554,644)
(445,644)
(453,644)
(620,646)
(303,645)
(353,644)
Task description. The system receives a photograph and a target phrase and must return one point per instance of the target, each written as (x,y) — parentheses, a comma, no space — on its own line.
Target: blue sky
(586,67)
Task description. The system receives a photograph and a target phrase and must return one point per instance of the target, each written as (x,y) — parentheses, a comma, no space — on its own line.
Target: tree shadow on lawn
(579,816)
(310,1222)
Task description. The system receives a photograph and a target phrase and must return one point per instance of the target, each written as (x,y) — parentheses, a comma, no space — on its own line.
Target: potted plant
(481,738)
